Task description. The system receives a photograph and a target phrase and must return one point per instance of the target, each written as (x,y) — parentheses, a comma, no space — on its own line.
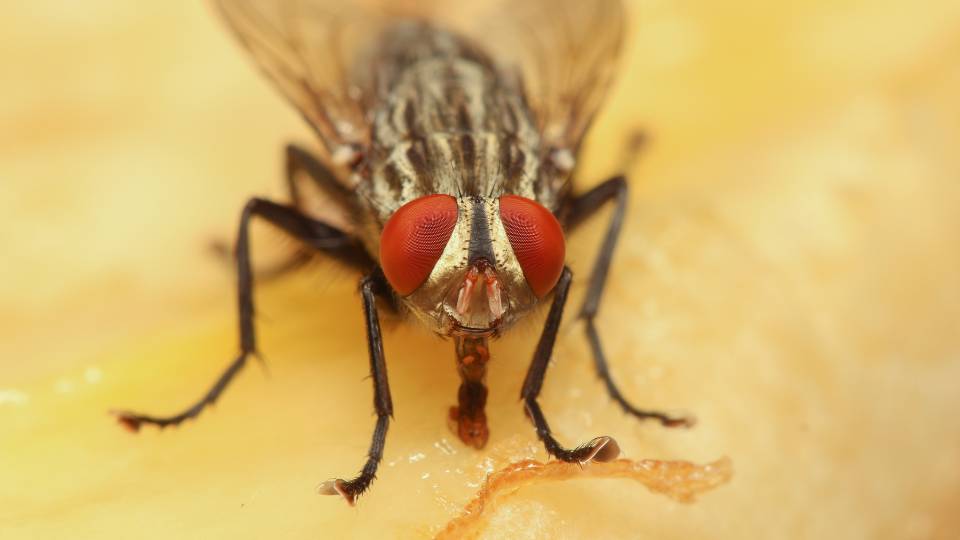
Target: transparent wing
(565,52)
(319,54)
(304,48)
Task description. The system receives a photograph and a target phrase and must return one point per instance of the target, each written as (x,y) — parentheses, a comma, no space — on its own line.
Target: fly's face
(471,265)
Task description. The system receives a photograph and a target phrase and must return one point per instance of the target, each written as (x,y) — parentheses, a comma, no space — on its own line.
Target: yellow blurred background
(790,274)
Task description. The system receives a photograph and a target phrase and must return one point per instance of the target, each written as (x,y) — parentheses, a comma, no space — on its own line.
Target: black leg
(302,160)
(580,209)
(298,160)
(598,449)
(313,233)
(370,287)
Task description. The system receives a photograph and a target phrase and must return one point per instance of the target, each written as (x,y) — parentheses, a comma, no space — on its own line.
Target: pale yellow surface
(790,273)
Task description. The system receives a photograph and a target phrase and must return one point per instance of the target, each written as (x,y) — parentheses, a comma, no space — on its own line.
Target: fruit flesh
(784,277)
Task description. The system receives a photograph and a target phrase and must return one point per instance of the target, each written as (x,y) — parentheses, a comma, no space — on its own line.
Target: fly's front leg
(371,286)
(580,209)
(313,233)
(600,448)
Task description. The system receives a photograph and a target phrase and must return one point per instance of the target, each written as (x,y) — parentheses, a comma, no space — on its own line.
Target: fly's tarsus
(603,371)
(351,489)
(599,449)
(133,421)
(581,208)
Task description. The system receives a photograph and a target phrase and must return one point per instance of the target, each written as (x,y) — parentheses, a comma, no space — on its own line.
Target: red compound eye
(414,238)
(537,241)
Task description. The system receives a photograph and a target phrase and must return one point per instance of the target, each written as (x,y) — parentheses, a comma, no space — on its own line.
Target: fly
(449,133)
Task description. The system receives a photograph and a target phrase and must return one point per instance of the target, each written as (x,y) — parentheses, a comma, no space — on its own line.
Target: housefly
(450,132)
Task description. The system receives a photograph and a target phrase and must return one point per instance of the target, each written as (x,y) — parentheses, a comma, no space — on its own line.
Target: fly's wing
(565,52)
(305,49)
(319,54)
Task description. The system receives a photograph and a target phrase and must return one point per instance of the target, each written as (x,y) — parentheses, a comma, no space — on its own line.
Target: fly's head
(471,265)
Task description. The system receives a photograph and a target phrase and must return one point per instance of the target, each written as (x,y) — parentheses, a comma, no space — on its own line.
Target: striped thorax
(450,123)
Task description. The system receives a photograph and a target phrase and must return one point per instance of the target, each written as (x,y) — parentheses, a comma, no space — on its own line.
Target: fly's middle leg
(301,165)
(580,209)
(314,234)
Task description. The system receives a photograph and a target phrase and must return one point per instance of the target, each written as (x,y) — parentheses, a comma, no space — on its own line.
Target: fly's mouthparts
(493,294)
(466,294)
(466,290)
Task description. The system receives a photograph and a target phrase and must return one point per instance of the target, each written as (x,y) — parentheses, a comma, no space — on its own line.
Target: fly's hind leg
(315,234)
(580,209)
